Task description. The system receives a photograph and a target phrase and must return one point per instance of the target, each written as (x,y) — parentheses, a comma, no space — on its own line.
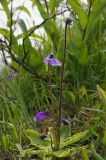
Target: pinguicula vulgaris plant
(55,131)
(56,119)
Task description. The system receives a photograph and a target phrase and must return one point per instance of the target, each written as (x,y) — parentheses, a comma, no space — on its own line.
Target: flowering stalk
(52,104)
(68,21)
(52,61)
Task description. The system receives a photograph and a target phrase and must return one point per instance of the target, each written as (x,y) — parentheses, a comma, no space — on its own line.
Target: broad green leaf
(57,2)
(34,137)
(54,4)
(12,128)
(65,131)
(79,11)
(15,48)
(5,33)
(80,51)
(5,142)
(22,8)
(97,10)
(14,45)
(22,25)
(95,154)
(49,153)
(78,47)
(84,154)
(69,96)
(101,93)
(4,4)
(35,59)
(83,92)
(65,152)
(27,43)
(49,26)
(32,151)
(73,139)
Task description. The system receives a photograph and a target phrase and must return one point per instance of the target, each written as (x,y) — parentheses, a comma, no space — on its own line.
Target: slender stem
(51,141)
(52,103)
(47,6)
(61,79)
(60,94)
(89,12)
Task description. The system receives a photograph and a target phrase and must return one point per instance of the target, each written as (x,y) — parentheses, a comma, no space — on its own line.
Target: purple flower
(65,121)
(52,61)
(41,116)
(13,75)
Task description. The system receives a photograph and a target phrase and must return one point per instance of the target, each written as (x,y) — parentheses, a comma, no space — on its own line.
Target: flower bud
(68,21)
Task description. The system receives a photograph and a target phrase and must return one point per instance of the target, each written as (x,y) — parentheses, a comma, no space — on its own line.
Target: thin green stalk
(52,103)
(61,79)
(61,88)
(47,8)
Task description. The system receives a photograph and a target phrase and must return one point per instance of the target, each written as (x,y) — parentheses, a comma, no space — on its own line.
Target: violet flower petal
(47,60)
(55,62)
(65,121)
(41,116)
(52,61)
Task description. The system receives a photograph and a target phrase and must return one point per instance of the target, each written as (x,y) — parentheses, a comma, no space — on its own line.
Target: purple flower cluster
(45,114)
